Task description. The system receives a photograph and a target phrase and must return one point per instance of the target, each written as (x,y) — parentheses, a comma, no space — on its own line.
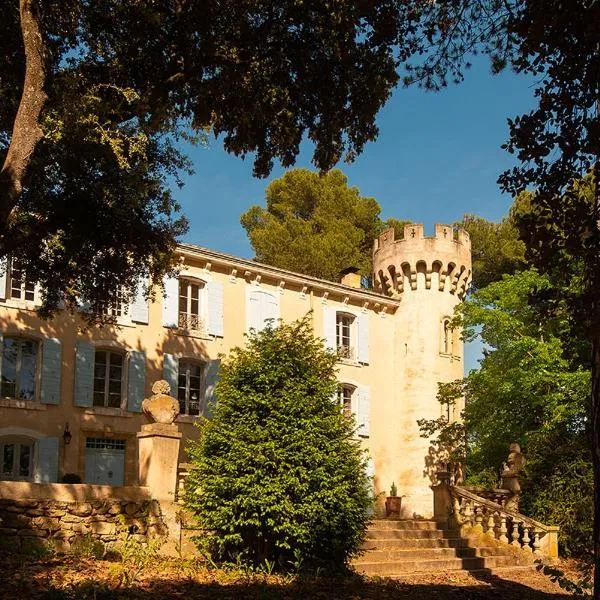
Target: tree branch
(27,131)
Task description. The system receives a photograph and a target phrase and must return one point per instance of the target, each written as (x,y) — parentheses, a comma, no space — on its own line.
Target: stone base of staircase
(398,547)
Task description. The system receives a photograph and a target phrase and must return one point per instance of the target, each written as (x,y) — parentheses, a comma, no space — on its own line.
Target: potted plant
(393,502)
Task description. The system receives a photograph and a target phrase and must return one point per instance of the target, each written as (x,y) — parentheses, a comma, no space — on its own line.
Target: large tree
(315,224)
(93,96)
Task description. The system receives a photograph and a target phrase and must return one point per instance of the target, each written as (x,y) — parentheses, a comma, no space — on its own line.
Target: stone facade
(27,524)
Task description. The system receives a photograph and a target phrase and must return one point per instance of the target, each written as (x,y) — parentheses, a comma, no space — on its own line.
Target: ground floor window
(17,459)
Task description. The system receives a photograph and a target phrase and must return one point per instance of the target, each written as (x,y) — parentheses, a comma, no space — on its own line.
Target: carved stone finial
(161,406)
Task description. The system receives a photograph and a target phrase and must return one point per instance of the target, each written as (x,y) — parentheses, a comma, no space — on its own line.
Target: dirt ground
(78,579)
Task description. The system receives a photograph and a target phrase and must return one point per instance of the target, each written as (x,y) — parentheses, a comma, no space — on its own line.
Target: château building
(70,396)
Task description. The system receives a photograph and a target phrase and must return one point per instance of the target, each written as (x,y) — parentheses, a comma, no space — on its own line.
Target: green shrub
(85,546)
(280,477)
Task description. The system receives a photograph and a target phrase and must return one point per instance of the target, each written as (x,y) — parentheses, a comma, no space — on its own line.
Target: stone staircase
(397,547)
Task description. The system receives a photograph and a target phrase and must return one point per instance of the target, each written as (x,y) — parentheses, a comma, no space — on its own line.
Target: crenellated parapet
(441,262)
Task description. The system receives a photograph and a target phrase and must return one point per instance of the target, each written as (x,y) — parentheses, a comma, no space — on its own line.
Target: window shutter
(136,380)
(329,328)
(51,369)
(215,308)
(254,317)
(3,276)
(210,381)
(84,373)
(363,338)
(270,310)
(139,304)
(364,411)
(47,461)
(171,302)
(171,372)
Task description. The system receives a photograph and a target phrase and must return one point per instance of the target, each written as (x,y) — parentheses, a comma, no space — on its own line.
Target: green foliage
(393,490)
(279,477)
(580,590)
(530,388)
(314,224)
(85,546)
(94,208)
(495,248)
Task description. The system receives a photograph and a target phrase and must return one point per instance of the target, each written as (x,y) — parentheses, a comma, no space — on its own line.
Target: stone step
(412,524)
(390,568)
(384,543)
(428,554)
(413,534)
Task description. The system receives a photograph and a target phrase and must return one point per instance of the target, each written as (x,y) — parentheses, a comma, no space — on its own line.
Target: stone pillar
(158,447)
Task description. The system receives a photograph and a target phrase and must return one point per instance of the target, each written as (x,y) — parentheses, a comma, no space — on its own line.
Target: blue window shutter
(329,328)
(136,380)
(3,276)
(171,302)
(51,369)
(210,382)
(215,308)
(139,304)
(171,372)
(363,339)
(84,373)
(363,417)
(47,461)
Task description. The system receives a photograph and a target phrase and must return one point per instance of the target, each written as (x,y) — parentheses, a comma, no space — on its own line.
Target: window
(108,379)
(190,305)
(447,337)
(19,368)
(345,333)
(263,309)
(17,459)
(105,443)
(190,387)
(344,394)
(116,308)
(19,287)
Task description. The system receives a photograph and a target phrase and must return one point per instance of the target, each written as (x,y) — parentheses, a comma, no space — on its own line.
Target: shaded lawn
(69,578)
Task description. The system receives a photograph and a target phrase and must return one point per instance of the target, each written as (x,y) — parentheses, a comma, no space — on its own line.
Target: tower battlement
(440,262)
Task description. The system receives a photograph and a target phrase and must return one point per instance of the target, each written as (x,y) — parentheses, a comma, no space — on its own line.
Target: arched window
(20,358)
(108,378)
(345,392)
(16,455)
(191,296)
(345,328)
(190,386)
(447,336)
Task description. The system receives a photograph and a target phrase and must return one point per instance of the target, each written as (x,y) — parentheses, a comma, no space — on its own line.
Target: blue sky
(437,157)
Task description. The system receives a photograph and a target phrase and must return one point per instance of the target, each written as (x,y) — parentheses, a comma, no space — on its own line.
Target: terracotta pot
(393,506)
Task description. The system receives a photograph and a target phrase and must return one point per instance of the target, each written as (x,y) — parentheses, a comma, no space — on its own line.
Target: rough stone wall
(25,524)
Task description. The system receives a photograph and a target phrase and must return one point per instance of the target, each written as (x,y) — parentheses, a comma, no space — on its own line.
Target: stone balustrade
(470,511)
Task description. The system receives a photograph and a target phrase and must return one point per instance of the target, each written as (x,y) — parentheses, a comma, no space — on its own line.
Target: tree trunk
(26,129)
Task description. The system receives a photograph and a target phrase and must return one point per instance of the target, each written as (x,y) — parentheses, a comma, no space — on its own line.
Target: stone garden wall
(63,523)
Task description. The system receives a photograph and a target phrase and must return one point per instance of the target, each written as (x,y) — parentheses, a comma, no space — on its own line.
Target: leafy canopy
(88,131)
(315,224)
(279,477)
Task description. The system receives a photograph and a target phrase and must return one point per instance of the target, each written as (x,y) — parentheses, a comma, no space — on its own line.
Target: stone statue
(515,462)
(161,406)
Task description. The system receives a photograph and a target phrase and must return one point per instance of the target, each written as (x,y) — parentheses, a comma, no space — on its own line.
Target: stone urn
(393,503)
(161,407)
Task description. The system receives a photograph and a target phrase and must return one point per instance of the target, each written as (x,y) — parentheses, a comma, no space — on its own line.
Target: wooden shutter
(214,291)
(47,461)
(363,416)
(139,304)
(3,276)
(171,372)
(171,302)
(363,338)
(254,311)
(51,370)
(210,382)
(329,328)
(84,373)
(136,380)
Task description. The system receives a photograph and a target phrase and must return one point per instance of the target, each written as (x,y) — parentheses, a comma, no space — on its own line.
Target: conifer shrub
(280,477)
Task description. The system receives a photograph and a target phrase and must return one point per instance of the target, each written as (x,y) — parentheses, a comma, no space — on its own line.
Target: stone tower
(430,275)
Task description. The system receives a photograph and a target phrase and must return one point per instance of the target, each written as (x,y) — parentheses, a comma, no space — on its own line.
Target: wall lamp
(67,435)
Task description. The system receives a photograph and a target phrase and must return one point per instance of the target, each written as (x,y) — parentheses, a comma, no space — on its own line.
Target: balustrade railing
(467,509)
